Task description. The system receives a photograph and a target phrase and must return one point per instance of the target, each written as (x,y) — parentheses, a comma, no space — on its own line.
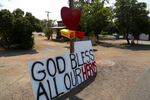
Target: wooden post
(71,4)
(72,40)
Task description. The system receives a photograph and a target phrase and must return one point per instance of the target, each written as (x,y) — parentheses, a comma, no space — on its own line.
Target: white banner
(53,77)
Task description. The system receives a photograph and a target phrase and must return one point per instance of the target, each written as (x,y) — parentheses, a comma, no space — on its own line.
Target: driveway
(123,72)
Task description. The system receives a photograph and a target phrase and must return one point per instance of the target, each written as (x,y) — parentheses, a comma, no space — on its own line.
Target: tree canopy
(94,16)
(131,17)
(16,29)
(6,28)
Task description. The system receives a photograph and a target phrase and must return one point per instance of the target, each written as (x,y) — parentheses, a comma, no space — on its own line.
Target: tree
(36,23)
(94,16)
(47,28)
(18,13)
(23,28)
(16,29)
(131,17)
(6,28)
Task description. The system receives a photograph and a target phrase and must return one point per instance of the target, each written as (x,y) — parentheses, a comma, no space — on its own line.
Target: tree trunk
(48,37)
(97,37)
(127,34)
(51,35)
(132,40)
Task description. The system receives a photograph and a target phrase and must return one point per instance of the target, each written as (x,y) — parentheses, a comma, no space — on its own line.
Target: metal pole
(47,25)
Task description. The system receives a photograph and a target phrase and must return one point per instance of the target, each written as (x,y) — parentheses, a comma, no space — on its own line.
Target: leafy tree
(36,23)
(94,16)
(131,17)
(6,28)
(47,28)
(23,29)
(18,13)
(140,17)
(16,29)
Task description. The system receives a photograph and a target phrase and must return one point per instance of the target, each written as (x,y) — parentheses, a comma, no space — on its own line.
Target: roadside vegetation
(16,29)
(124,18)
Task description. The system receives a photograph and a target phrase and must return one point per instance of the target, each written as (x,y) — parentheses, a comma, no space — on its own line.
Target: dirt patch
(118,70)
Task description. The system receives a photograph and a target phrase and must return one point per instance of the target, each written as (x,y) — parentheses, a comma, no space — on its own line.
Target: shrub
(6,28)
(16,29)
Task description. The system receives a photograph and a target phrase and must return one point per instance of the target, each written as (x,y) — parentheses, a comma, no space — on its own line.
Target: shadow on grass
(13,52)
(136,47)
(72,94)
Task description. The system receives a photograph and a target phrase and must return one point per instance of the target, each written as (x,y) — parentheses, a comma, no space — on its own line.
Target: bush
(6,28)
(47,29)
(16,29)
(23,33)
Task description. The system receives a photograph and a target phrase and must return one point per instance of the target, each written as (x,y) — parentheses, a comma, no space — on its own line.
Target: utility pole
(48,12)
(47,24)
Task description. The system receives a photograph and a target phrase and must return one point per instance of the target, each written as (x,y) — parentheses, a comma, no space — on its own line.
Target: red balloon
(70,17)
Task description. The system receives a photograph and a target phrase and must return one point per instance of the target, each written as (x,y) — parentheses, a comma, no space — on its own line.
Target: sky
(38,7)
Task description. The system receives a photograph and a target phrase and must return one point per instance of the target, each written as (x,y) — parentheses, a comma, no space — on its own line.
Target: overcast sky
(38,7)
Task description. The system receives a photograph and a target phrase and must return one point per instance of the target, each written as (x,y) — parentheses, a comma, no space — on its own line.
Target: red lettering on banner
(84,73)
(89,70)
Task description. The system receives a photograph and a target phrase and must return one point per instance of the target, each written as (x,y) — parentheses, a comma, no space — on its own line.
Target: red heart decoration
(70,17)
